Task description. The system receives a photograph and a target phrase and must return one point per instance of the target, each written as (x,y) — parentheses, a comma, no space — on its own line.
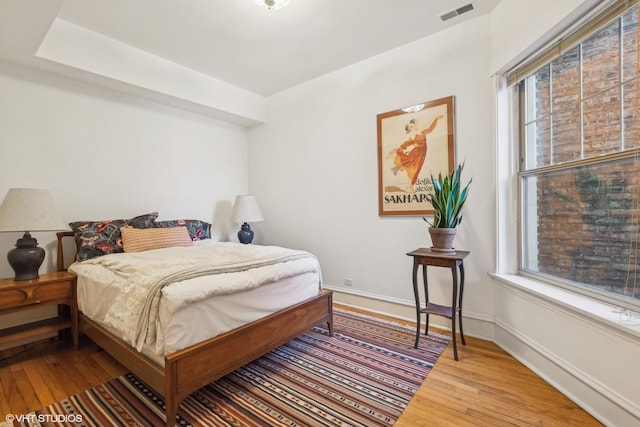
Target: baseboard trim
(577,385)
(605,403)
(474,325)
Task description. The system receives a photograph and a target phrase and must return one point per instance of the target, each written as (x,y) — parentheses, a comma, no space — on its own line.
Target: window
(579,122)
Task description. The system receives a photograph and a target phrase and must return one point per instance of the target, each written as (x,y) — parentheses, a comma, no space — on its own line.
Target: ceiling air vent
(459,11)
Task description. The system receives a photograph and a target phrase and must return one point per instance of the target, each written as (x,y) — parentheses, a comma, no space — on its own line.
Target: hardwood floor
(487,387)
(36,375)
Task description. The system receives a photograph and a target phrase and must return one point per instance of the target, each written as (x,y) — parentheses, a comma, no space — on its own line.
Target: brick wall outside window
(585,105)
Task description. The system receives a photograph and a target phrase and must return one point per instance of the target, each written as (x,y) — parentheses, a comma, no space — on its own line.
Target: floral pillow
(198,230)
(96,238)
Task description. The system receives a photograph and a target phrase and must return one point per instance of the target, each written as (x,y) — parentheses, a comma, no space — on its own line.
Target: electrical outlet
(348,281)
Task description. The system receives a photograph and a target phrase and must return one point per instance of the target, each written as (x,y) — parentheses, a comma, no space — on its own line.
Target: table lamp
(28,209)
(245,210)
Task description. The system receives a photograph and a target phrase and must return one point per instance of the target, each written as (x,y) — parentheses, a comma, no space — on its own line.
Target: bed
(170,358)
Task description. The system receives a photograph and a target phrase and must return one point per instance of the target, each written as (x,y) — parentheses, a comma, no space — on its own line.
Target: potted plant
(447,198)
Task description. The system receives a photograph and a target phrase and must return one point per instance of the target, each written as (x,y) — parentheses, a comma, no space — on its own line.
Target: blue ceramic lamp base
(245,235)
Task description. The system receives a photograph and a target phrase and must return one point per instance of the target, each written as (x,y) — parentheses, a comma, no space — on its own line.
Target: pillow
(144,239)
(96,238)
(198,230)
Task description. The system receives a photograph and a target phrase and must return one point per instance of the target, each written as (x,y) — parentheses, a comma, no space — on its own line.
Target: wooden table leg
(460,302)
(454,304)
(417,299)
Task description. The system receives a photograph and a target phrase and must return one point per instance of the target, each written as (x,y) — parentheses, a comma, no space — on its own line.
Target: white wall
(578,345)
(313,168)
(517,26)
(107,155)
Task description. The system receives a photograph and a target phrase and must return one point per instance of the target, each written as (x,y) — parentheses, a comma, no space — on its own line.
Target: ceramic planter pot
(442,240)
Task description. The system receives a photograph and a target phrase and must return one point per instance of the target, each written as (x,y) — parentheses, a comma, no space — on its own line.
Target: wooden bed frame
(187,370)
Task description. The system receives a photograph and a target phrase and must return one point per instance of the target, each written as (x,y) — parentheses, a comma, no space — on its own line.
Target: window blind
(531,65)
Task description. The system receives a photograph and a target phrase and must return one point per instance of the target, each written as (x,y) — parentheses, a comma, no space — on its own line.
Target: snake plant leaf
(448,198)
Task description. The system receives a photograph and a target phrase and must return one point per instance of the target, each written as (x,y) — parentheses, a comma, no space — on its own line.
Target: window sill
(582,306)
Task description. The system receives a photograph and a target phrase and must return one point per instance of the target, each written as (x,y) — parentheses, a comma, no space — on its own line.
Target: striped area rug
(364,375)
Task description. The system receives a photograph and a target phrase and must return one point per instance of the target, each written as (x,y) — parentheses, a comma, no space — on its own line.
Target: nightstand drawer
(48,289)
(52,292)
(12,298)
(27,293)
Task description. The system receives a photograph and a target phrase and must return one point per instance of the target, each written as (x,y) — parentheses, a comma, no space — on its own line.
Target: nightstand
(48,289)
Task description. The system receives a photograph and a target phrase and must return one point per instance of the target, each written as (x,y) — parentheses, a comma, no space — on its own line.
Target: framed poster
(413,143)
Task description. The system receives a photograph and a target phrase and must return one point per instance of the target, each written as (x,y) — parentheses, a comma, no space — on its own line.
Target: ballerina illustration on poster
(413,142)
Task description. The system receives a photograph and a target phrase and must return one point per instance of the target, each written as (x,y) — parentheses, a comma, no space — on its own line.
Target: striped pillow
(144,239)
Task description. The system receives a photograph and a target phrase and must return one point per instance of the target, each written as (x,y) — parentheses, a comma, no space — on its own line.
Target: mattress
(181,323)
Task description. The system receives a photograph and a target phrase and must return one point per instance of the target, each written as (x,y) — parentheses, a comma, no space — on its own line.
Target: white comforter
(148,273)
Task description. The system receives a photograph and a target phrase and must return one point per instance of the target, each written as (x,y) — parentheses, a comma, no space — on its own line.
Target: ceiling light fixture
(413,108)
(273,4)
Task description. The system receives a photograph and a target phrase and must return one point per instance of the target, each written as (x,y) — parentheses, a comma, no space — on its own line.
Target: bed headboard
(61,235)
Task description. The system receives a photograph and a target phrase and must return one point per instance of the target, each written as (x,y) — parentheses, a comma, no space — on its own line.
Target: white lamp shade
(29,209)
(246,209)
